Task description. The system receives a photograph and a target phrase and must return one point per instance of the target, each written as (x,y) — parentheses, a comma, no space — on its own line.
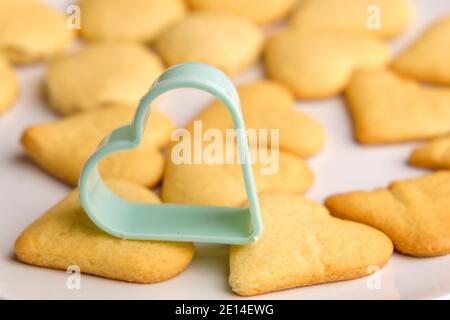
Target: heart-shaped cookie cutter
(172,222)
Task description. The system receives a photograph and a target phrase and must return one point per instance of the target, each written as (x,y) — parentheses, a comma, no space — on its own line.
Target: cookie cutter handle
(172,222)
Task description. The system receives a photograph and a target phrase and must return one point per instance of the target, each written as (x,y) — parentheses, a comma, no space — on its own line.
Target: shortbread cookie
(414,213)
(258,11)
(316,65)
(64,236)
(387,108)
(62,147)
(101,74)
(427,59)
(8,85)
(303,245)
(268,105)
(227,42)
(385,18)
(31,30)
(435,154)
(223,184)
(136,20)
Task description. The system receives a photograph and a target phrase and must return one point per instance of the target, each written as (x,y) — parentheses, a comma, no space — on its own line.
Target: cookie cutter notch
(172,222)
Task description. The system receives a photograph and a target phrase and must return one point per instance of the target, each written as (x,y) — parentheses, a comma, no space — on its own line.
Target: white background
(26,192)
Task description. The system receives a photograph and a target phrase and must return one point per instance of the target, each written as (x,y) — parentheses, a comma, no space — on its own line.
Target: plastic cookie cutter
(172,222)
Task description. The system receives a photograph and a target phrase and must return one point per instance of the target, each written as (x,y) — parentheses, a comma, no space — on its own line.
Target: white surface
(26,192)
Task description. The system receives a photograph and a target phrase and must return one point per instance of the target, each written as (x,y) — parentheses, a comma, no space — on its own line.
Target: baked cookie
(63,146)
(385,18)
(317,65)
(64,236)
(8,85)
(268,105)
(31,30)
(134,20)
(227,42)
(387,108)
(414,213)
(435,154)
(427,59)
(303,245)
(99,75)
(223,184)
(258,11)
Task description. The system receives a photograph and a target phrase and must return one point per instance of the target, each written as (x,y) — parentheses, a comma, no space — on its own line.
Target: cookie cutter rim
(172,222)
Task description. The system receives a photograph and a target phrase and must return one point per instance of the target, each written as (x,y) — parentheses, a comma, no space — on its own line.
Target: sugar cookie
(258,11)
(385,18)
(303,245)
(223,184)
(64,236)
(268,105)
(8,85)
(101,74)
(31,30)
(227,42)
(387,108)
(317,65)
(414,213)
(435,154)
(135,20)
(62,147)
(427,59)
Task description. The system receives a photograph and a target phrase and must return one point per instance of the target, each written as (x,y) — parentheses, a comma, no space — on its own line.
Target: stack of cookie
(326,48)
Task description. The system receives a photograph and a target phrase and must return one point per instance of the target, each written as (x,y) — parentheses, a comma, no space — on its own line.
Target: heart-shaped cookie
(414,213)
(268,105)
(258,11)
(387,108)
(100,75)
(228,42)
(62,147)
(427,59)
(31,30)
(385,18)
(317,65)
(128,20)
(64,236)
(303,245)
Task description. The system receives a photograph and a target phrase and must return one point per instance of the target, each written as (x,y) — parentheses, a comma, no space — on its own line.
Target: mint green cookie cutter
(172,222)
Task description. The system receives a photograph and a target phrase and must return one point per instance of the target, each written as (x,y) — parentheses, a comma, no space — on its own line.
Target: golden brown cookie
(303,245)
(63,146)
(64,236)
(435,154)
(385,18)
(427,59)
(222,184)
(8,85)
(31,30)
(258,11)
(414,213)
(317,65)
(268,105)
(225,41)
(387,108)
(99,75)
(135,20)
